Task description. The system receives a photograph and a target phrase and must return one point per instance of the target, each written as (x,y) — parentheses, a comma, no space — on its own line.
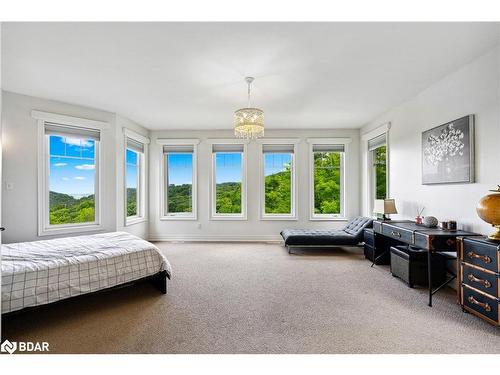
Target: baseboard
(216,238)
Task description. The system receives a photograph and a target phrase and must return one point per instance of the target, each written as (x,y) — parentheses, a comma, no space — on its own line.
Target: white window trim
(213,214)
(278,141)
(343,179)
(193,216)
(143,177)
(44,228)
(370,193)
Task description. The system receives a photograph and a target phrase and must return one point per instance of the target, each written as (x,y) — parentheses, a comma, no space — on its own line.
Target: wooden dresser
(479,270)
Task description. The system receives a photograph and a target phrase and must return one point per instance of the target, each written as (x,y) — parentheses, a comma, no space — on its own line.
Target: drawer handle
(484,258)
(484,305)
(396,234)
(475,279)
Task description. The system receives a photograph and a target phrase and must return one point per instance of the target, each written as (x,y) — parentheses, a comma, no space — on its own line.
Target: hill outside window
(179,198)
(135,177)
(68,174)
(228,187)
(278,188)
(327,178)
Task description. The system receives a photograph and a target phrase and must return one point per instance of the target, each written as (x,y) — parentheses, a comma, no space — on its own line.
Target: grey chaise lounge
(350,235)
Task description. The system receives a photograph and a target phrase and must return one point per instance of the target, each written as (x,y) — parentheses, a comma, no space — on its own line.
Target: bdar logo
(9,347)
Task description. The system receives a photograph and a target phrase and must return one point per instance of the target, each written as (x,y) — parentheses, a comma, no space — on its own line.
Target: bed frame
(159,280)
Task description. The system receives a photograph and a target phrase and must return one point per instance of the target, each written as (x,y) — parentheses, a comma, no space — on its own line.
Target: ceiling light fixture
(249,122)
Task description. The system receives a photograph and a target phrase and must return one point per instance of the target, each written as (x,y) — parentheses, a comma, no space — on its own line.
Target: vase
(488,209)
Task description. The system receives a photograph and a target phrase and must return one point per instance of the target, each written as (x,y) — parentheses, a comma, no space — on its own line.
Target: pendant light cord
(249,83)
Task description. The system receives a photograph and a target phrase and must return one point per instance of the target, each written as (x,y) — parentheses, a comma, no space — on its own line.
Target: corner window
(70,188)
(327,181)
(377,148)
(278,179)
(135,181)
(179,181)
(228,181)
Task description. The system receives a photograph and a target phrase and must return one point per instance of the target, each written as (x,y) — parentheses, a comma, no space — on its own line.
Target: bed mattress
(41,272)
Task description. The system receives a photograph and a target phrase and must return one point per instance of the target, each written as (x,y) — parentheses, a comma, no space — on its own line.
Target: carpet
(256,298)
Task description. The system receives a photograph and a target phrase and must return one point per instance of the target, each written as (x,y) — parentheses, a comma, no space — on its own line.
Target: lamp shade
(385,206)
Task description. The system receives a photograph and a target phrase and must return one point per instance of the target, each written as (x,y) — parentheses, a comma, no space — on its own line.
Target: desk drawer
(480,254)
(403,235)
(484,281)
(369,237)
(484,306)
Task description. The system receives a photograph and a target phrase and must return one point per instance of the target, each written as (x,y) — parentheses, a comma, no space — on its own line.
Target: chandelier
(249,122)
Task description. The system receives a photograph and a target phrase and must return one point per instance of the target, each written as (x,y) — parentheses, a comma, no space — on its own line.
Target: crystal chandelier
(249,122)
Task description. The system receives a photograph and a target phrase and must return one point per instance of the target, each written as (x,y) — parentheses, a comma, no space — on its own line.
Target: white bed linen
(40,272)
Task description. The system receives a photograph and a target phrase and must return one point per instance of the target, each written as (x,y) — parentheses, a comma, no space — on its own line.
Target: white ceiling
(190,75)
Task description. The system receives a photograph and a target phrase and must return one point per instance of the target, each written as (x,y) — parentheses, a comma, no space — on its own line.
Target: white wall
(19,136)
(473,89)
(139,229)
(253,228)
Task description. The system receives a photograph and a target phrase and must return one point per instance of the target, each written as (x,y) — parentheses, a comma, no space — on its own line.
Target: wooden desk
(431,239)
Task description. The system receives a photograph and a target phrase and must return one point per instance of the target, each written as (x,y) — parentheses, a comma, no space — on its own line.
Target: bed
(42,272)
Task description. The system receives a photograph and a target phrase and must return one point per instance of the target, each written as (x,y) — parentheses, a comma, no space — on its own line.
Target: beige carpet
(255,298)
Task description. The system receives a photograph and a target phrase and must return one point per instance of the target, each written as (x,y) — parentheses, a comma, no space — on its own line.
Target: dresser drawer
(403,235)
(484,281)
(487,307)
(480,254)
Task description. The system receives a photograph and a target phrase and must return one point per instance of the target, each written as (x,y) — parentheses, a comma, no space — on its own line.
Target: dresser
(479,270)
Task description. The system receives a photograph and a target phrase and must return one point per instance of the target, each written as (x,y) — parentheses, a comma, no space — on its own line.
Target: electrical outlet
(9,185)
(199,226)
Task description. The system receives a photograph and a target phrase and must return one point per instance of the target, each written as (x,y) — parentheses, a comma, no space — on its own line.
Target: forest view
(380,172)
(65,209)
(327,182)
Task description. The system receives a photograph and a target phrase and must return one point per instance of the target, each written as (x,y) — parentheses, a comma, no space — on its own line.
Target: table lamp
(384,207)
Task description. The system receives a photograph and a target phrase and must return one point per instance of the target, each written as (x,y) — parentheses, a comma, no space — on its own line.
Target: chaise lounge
(350,235)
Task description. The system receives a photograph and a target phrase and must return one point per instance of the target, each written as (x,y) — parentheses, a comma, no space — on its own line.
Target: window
(179,181)
(228,181)
(135,177)
(327,181)
(69,178)
(278,190)
(377,148)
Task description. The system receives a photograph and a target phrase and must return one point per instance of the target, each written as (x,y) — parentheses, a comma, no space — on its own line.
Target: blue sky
(132,170)
(72,165)
(276,162)
(228,167)
(180,169)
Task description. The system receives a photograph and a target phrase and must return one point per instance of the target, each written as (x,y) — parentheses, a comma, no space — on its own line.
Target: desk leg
(429,275)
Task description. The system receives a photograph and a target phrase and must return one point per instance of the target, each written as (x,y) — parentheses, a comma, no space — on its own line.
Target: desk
(390,233)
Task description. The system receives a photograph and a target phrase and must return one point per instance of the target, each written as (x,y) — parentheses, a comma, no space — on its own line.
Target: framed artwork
(448,152)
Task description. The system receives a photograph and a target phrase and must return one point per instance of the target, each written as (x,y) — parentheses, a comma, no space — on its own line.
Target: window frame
(164,215)
(373,175)
(342,216)
(142,186)
(44,226)
(368,191)
(244,195)
(294,202)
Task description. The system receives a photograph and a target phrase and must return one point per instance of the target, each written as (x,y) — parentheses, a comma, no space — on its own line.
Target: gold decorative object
(488,209)
(249,122)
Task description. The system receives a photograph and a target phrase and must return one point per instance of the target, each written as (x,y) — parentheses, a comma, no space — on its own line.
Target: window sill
(69,229)
(279,218)
(179,217)
(134,220)
(227,217)
(327,219)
